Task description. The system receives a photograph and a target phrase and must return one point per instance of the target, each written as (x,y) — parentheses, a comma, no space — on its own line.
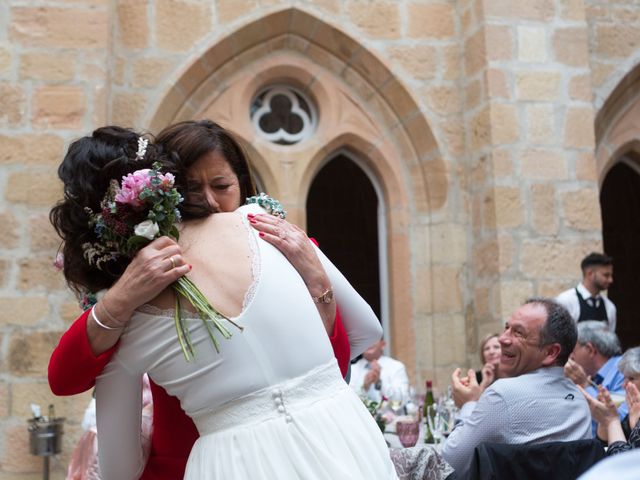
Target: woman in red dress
(219,179)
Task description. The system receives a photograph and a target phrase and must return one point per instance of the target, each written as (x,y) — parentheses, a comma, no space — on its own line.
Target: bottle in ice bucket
(428,401)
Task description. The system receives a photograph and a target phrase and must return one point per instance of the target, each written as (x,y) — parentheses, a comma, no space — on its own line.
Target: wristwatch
(326,297)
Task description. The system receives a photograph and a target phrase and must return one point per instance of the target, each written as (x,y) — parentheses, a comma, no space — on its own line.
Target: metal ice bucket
(45,437)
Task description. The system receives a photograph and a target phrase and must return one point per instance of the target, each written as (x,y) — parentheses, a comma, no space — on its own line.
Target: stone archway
(618,164)
(364,108)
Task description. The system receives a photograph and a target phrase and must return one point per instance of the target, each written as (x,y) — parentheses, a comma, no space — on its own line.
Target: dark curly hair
(188,141)
(86,171)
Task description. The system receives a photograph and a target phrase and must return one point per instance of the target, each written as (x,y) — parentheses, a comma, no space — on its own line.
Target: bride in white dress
(272,404)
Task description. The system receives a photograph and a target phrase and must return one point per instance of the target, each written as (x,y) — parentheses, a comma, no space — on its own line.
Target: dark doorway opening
(342,214)
(620,203)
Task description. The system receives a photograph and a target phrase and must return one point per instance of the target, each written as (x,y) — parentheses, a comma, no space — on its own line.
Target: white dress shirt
(393,376)
(569,300)
(537,407)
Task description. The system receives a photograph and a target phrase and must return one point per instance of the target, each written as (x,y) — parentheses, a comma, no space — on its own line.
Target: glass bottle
(428,401)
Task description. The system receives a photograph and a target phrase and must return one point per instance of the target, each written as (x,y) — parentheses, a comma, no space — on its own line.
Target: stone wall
(485,110)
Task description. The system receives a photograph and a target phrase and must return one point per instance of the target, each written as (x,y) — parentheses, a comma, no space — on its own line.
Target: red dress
(73,369)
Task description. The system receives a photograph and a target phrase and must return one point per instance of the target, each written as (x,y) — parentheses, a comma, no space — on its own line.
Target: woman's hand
(294,244)
(633,402)
(605,413)
(153,269)
(488,375)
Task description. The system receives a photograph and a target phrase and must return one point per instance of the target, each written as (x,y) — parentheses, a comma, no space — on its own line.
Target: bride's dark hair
(86,171)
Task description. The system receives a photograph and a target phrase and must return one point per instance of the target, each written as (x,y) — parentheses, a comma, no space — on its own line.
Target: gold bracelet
(95,319)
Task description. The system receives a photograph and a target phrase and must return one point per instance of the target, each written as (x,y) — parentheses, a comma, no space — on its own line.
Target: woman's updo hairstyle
(86,172)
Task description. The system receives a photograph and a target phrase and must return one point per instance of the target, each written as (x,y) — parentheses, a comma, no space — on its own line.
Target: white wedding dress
(271,405)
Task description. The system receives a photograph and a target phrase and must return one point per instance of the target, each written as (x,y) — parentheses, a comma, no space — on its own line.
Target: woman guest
(620,435)
(272,402)
(490,357)
(221,182)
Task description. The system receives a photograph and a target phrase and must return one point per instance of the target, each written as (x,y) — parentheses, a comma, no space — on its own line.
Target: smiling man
(536,403)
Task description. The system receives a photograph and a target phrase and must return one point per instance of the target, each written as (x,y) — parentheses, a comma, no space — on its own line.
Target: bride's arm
(118,422)
(362,326)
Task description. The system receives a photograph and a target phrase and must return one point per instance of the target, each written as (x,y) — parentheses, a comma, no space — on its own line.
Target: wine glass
(396,399)
(408,432)
(436,422)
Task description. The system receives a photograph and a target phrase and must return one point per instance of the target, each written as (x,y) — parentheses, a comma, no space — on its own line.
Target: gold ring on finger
(173,262)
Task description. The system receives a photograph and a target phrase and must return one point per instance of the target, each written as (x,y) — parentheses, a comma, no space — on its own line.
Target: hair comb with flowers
(142,148)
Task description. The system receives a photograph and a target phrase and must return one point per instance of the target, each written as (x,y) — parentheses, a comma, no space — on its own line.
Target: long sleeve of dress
(360,322)
(118,420)
(73,367)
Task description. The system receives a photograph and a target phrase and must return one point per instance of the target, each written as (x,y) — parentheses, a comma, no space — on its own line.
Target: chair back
(544,461)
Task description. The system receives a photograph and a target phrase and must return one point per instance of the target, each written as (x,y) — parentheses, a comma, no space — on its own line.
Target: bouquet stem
(211,318)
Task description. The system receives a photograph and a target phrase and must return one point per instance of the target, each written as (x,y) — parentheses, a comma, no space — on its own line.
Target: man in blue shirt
(595,359)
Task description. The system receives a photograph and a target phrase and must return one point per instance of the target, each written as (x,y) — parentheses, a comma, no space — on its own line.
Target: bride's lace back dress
(271,405)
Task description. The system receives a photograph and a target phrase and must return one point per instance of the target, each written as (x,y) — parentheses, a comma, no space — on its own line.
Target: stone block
(23,311)
(128,108)
(474,94)
(430,20)
(30,149)
(149,72)
(9,233)
(509,210)
(24,394)
(481,301)
(554,288)
(180,24)
(438,289)
(38,272)
(601,72)
(5,60)
(133,23)
(29,353)
(43,237)
(36,189)
(486,258)
(504,124)
(512,294)
(541,124)
(581,209)
(59,106)
(500,44)
(586,167)
(540,10)
(450,61)
(544,214)
(15,454)
(4,400)
(544,164)
(532,44)
(420,61)
(229,10)
(444,100)
(579,128)
(572,10)
(474,53)
(571,46)
(448,347)
(480,128)
(5,266)
(540,86)
(12,105)
(554,259)
(501,163)
(52,27)
(448,243)
(617,41)
(380,20)
(452,130)
(70,311)
(47,67)
(580,88)
(497,84)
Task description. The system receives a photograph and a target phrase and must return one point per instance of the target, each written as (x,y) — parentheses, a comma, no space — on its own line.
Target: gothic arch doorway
(345,213)
(620,203)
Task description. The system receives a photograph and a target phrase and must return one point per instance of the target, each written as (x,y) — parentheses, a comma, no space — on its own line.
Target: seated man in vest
(536,403)
(585,302)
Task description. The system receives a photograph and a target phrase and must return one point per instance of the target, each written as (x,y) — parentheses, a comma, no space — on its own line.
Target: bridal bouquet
(134,212)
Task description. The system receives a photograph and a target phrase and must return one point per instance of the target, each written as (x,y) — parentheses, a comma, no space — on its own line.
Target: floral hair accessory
(59,261)
(142,148)
(144,206)
(271,205)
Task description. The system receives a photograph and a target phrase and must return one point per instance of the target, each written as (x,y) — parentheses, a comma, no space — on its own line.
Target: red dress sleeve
(340,343)
(73,367)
